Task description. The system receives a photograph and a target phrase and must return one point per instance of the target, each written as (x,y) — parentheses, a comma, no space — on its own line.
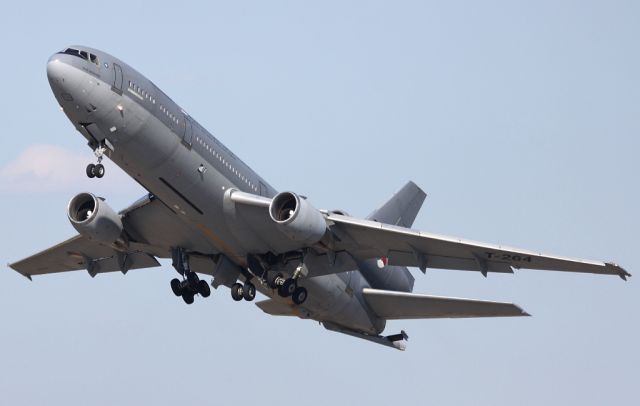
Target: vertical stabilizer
(402,208)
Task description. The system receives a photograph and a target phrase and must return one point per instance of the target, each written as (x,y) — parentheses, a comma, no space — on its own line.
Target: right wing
(391,305)
(151,227)
(80,253)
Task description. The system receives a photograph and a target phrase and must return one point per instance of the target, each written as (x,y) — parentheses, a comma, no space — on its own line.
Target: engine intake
(94,219)
(297,218)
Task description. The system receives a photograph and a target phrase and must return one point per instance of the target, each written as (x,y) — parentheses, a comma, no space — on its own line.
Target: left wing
(406,247)
(80,253)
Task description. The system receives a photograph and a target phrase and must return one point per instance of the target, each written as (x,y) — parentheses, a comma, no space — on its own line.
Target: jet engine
(297,218)
(94,219)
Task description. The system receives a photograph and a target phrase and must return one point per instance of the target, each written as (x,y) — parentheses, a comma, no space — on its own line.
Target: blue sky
(519,119)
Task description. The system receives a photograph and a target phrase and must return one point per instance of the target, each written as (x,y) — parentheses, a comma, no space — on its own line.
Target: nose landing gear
(97,170)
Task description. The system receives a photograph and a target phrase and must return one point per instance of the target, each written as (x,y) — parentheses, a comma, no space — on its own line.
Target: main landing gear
(97,170)
(246,291)
(190,285)
(288,288)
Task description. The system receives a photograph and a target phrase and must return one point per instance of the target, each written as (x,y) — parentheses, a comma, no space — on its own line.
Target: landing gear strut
(97,170)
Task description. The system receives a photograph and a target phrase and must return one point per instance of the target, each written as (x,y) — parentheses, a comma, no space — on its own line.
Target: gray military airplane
(213,215)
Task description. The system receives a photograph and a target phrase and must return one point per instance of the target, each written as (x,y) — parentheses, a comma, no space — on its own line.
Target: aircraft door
(187,136)
(117,79)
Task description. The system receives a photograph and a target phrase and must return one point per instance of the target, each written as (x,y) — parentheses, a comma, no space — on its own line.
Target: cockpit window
(81,54)
(75,52)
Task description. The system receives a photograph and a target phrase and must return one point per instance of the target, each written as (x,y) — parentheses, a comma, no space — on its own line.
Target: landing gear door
(117,79)
(187,137)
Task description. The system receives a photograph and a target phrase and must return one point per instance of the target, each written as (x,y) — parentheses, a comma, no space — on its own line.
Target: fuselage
(164,149)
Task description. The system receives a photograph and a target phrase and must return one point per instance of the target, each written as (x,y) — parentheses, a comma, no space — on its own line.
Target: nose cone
(55,71)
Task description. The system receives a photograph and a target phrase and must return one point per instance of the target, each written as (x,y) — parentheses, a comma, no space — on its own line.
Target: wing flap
(391,305)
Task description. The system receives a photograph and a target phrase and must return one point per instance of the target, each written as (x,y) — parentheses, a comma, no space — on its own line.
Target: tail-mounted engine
(94,219)
(297,218)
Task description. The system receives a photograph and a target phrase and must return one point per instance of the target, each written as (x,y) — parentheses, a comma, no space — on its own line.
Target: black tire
(176,287)
(193,280)
(99,171)
(287,288)
(299,295)
(236,292)
(249,291)
(187,297)
(203,288)
(90,170)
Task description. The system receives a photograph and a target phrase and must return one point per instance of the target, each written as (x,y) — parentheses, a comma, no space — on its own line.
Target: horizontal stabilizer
(400,305)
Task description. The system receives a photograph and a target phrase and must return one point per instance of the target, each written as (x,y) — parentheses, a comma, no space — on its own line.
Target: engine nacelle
(94,219)
(297,218)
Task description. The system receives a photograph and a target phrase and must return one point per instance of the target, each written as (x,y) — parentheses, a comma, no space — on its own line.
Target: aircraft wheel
(203,288)
(236,292)
(287,288)
(193,279)
(299,295)
(90,170)
(176,287)
(249,291)
(187,297)
(98,171)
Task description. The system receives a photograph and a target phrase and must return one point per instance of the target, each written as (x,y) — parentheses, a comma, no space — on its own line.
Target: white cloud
(44,168)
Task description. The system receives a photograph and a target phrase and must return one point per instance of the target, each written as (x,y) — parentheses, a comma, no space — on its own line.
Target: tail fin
(402,208)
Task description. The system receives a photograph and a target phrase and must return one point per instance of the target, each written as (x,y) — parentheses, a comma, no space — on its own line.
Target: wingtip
(12,266)
(624,275)
(618,270)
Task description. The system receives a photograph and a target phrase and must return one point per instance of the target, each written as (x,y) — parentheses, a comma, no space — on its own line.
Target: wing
(151,228)
(406,247)
(80,253)
(400,305)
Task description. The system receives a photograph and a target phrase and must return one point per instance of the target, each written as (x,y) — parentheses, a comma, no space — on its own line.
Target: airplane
(212,215)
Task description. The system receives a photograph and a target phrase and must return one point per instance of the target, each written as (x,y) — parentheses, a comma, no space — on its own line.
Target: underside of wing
(406,247)
(400,305)
(80,253)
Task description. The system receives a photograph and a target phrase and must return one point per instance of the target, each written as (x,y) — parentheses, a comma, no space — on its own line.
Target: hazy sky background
(520,120)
